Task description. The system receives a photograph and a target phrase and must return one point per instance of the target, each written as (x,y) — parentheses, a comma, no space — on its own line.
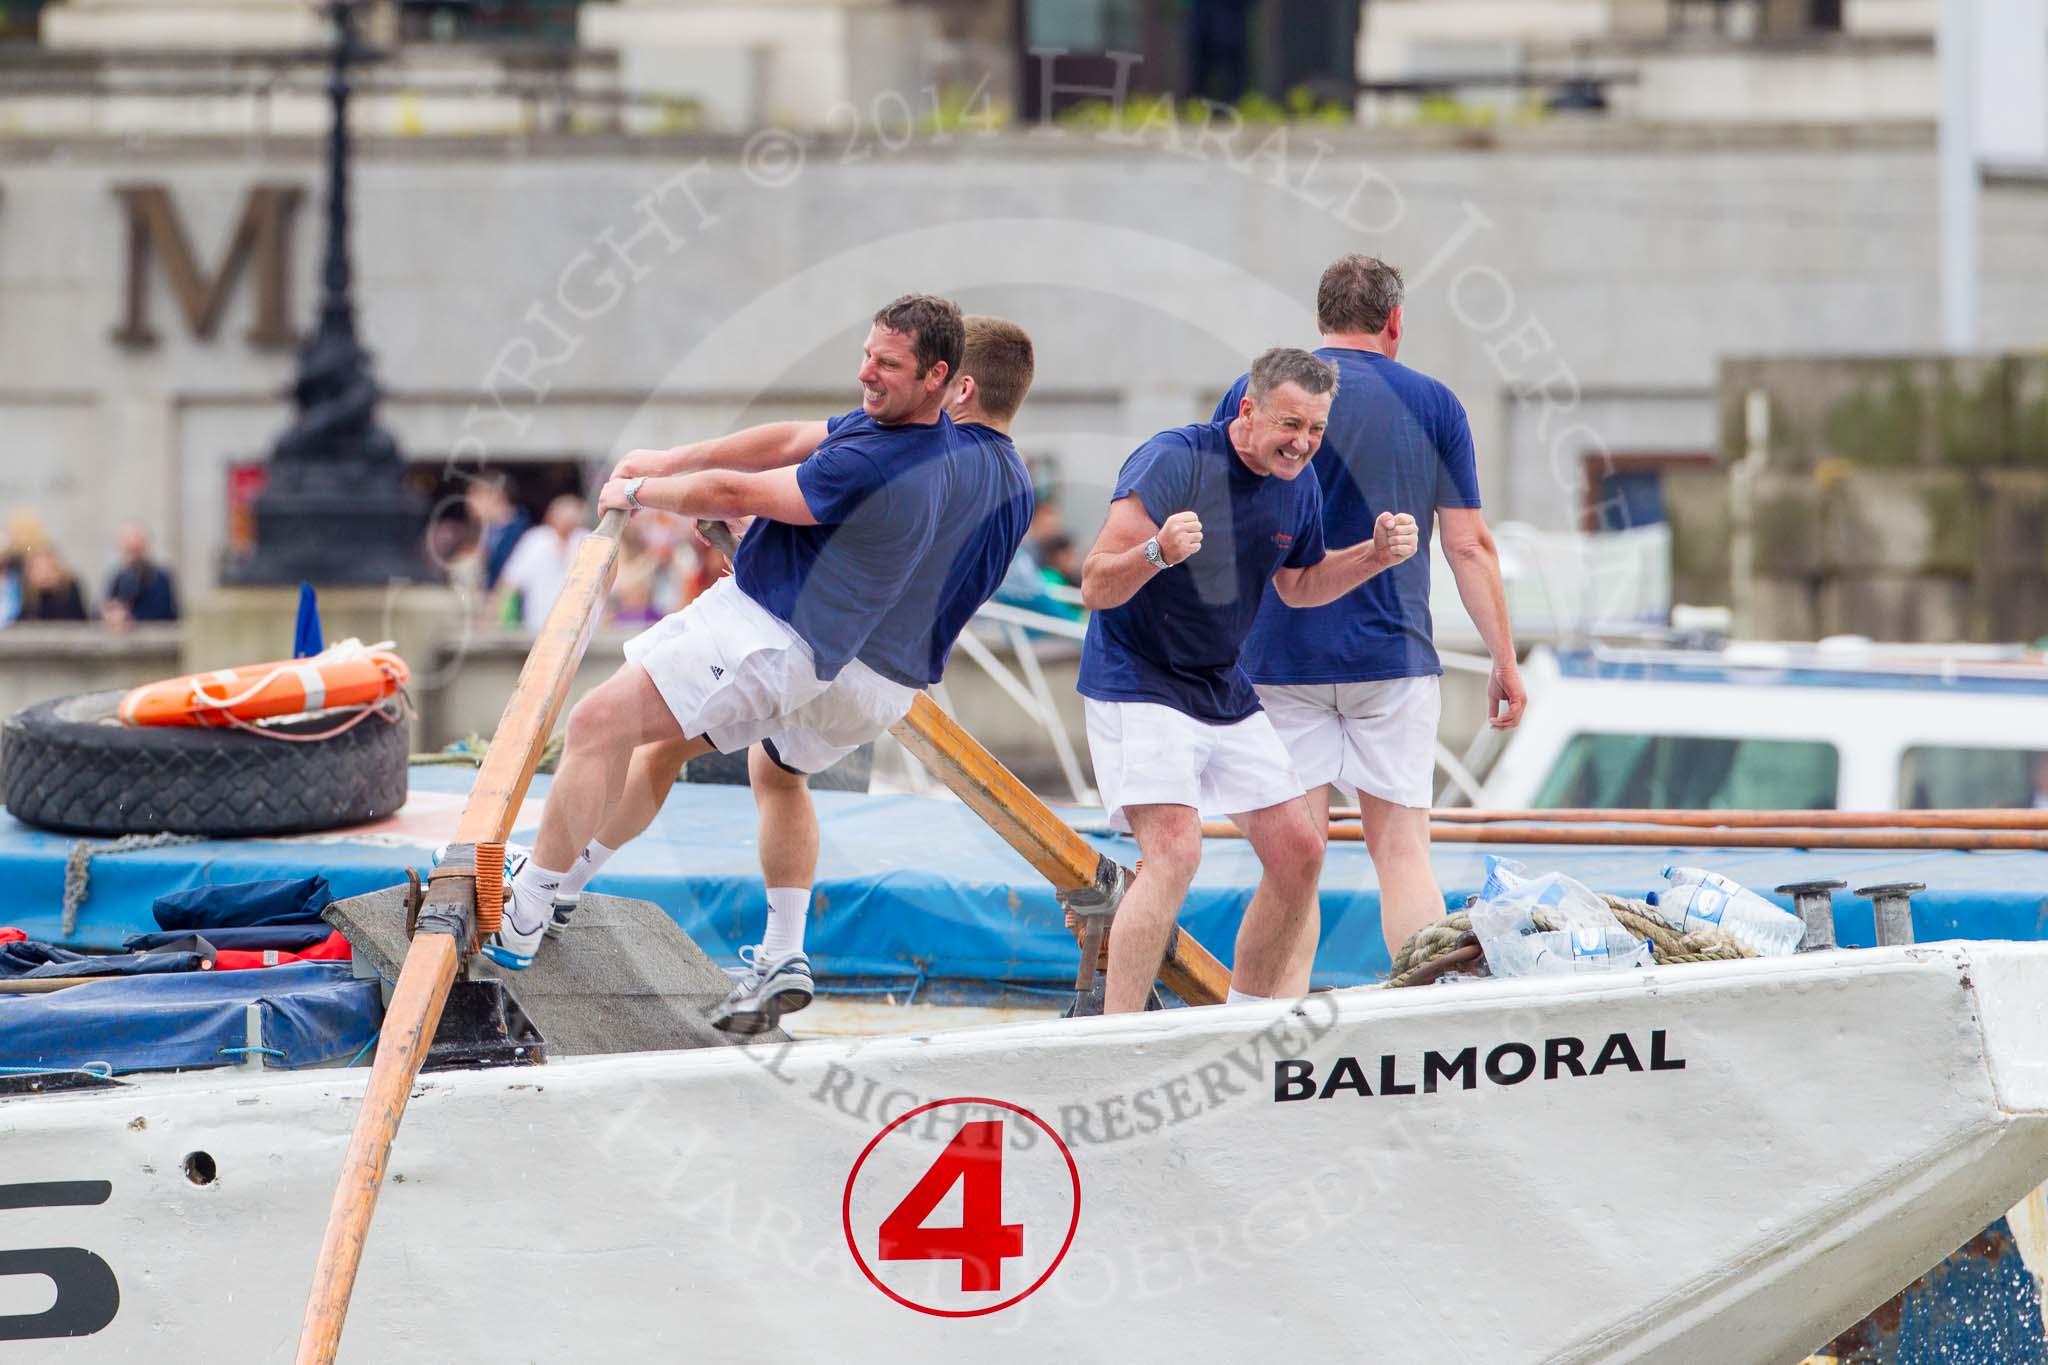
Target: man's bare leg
(1284,912)
(620,714)
(788,822)
(780,980)
(613,719)
(650,777)
(1170,845)
(1397,837)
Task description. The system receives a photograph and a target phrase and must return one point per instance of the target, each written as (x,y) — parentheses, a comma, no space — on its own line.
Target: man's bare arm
(1475,564)
(1394,539)
(772,445)
(1116,566)
(720,494)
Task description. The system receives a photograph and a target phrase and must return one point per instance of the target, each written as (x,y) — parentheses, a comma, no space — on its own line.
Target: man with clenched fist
(1203,518)
(1352,686)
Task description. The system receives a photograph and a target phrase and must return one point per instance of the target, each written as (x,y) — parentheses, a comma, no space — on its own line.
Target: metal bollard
(1815,905)
(1893,905)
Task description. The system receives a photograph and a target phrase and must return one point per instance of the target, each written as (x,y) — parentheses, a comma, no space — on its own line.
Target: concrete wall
(1576,285)
(38,662)
(1901,499)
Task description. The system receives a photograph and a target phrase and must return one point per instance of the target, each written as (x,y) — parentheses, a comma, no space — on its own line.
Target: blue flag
(306,639)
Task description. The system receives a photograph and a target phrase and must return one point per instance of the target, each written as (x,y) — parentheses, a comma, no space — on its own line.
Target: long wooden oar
(446,927)
(1047,842)
(1026,823)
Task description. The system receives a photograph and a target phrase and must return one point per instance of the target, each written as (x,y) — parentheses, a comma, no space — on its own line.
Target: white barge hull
(1706,1163)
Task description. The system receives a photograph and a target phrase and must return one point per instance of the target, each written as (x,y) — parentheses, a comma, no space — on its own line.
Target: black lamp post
(335,508)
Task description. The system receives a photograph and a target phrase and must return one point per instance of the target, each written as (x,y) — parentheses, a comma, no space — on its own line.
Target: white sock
(593,857)
(533,895)
(787,907)
(1237,997)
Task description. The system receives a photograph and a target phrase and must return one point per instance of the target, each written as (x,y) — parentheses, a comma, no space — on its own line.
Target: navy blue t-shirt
(986,516)
(1398,441)
(1176,641)
(879,494)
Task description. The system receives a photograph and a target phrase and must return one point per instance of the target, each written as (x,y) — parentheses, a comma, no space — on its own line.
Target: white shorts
(1147,754)
(1378,738)
(734,672)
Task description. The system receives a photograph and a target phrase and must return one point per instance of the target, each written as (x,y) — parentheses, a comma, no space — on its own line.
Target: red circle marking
(846,1209)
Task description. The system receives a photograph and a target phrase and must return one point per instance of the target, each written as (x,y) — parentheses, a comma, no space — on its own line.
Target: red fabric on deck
(333,948)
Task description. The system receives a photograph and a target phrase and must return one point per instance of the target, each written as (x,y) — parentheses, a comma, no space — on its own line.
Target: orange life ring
(341,677)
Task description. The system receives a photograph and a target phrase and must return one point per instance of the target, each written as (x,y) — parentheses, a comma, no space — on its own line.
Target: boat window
(1692,772)
(1950,777)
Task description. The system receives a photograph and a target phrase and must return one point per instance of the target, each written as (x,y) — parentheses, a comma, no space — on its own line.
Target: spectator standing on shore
(540,562)
(49,591)
(501,523)
(642,562)
(140,590)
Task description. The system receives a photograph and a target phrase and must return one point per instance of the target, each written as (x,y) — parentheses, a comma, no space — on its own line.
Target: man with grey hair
(1352,686)
(1174,726)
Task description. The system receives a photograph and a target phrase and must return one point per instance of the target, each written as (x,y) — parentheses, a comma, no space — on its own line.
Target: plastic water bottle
(1699,899)
(1503,875)
(1588,938)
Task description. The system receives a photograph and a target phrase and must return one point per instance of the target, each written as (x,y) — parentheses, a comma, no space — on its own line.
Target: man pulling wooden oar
(871,551)
(986,516)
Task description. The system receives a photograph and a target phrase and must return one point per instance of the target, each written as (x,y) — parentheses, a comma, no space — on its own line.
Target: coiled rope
(471,751)
(1424,957)
(78,865)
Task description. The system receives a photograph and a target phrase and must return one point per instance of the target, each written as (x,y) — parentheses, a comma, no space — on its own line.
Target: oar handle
(720,535)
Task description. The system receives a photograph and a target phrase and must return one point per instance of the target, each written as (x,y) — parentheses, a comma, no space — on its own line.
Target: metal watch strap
(1155,554)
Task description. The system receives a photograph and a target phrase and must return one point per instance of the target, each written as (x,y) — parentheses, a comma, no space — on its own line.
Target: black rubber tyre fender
(849,774)
(67,765)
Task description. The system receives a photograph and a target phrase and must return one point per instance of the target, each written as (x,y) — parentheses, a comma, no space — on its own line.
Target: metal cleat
(1814,902)
(1892,904)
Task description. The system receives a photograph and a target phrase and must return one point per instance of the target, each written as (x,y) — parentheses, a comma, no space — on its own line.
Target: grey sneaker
(558,918)
(765,991)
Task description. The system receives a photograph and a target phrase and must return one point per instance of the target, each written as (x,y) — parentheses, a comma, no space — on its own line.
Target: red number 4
(983,1241)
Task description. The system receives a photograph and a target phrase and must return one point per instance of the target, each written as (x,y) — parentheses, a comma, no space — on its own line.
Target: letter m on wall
(156,236)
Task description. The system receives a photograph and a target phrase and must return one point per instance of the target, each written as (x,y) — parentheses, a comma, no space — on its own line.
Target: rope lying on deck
(470,752)
(78,865)
(1449,944)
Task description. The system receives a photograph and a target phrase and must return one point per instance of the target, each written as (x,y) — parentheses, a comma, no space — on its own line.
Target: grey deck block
(624,977)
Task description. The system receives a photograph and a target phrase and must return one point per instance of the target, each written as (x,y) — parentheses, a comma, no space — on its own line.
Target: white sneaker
(509,947)
(766,990)
(512,948)
(559,913)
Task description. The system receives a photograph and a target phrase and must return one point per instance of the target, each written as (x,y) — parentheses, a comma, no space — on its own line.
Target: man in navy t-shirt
(987,507)
(1203,520)
(1352,686)
(784,649)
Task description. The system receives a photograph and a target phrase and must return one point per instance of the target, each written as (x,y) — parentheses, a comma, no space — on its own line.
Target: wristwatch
(633,492)
(1154,555)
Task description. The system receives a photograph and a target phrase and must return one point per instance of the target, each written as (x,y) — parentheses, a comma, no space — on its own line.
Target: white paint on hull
(1839,1124)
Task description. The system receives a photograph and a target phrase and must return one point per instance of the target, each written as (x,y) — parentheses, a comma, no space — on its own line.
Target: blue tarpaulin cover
(908,884)
(313,1012)
(29,960)
(292,900)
